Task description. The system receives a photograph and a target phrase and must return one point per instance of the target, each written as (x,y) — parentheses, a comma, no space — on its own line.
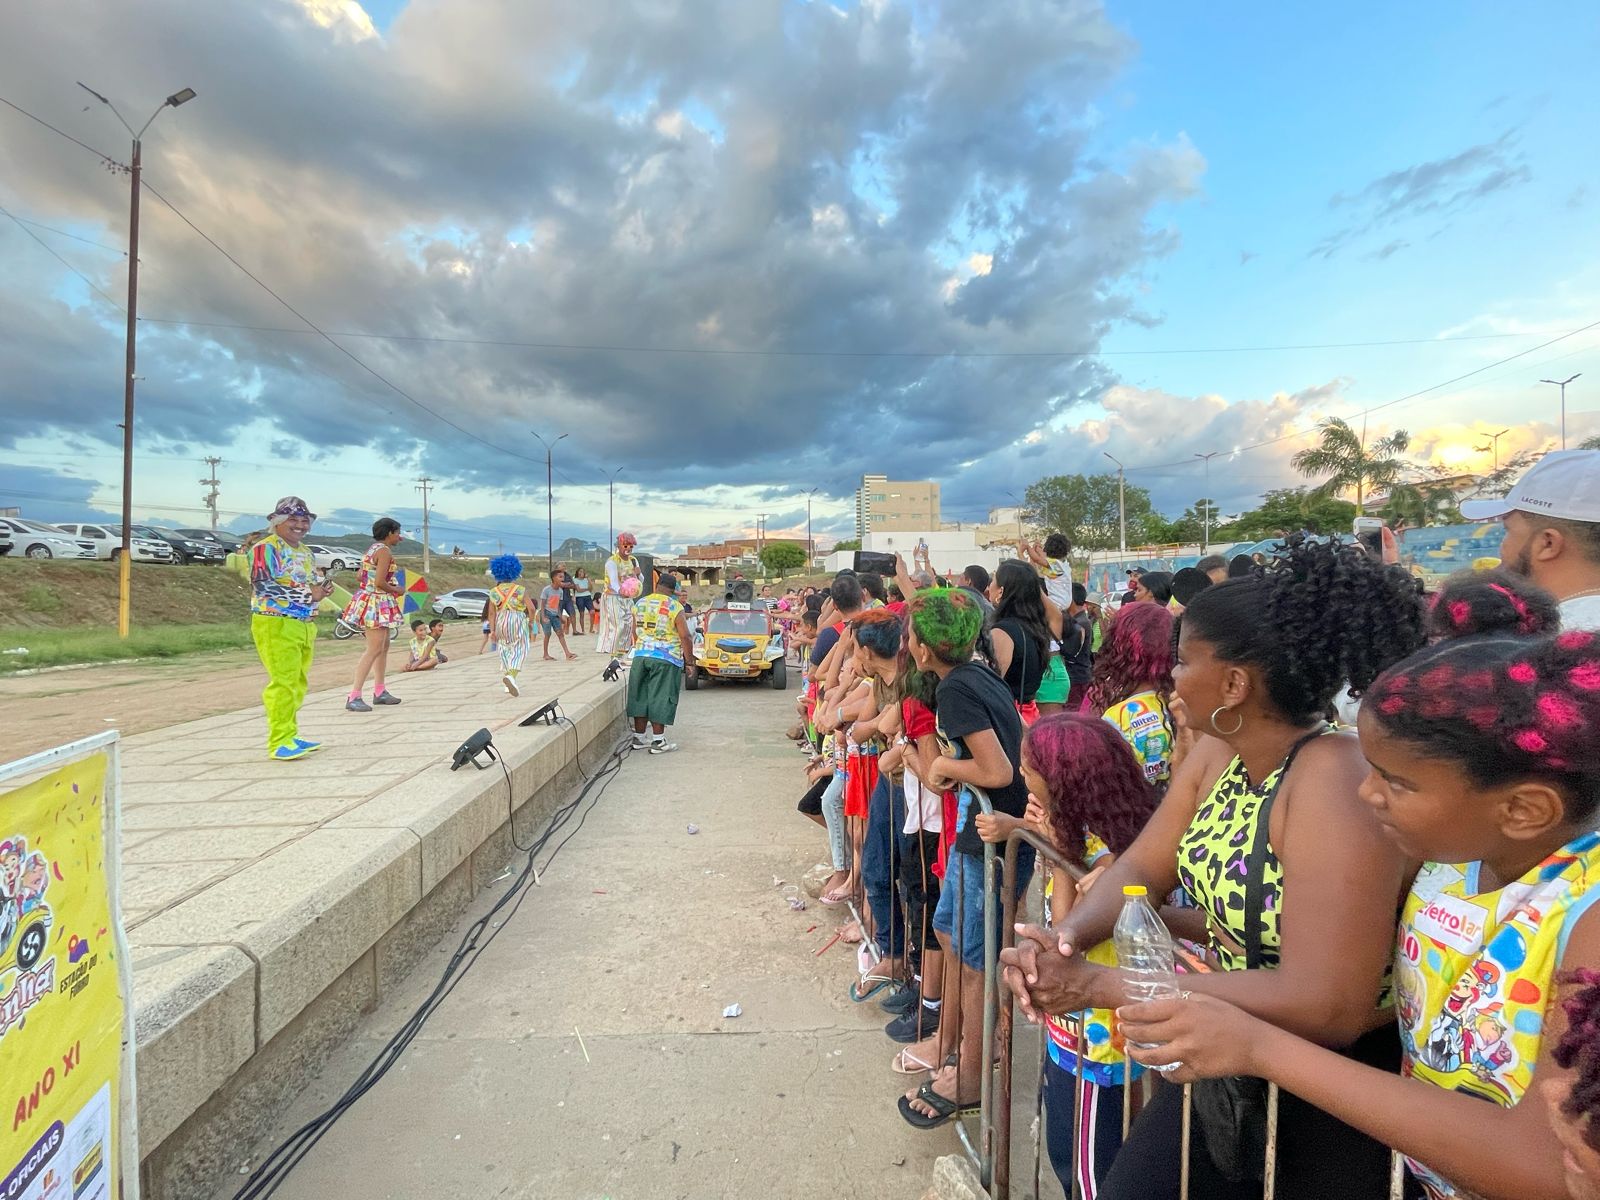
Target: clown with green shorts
(284,594)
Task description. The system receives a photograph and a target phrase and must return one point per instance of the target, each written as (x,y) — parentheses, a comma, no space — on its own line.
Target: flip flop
(944,1109)
(834,897)
(917,1067)
(878,982)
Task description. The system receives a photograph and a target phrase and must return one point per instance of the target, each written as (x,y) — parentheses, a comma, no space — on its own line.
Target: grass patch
(63,647)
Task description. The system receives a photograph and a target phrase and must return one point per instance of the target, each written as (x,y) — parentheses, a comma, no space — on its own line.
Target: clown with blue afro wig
(505,568)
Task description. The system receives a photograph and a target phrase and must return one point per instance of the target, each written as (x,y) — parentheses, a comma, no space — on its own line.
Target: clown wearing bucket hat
(284,594)
(623,587)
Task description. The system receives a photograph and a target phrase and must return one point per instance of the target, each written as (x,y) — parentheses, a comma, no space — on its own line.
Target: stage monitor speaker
(741,592)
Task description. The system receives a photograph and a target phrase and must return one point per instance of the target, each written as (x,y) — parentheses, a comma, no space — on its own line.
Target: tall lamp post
(125,558)
(1494,444)
(811,546)
(1562,384)
(1122,506)
(549,499)
(1206,549)
(611,507)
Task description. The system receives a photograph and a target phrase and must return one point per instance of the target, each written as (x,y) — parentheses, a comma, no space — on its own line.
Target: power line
(320,332)
(100,154)
(1391,403)
(75,237)
(48,249)
(739,352)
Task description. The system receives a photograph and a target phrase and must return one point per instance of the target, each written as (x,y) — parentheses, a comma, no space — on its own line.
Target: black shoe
(905,1028)
(902,1000)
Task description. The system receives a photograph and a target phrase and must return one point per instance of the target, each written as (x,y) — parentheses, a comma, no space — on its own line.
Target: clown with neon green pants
(284,594)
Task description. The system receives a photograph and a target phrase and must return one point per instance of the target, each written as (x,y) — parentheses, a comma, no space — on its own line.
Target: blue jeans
(881,855)
(961,899)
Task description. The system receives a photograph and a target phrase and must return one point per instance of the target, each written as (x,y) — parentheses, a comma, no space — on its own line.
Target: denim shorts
(963,884)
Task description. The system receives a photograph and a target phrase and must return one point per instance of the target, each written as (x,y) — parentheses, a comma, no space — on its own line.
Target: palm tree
(1349,462)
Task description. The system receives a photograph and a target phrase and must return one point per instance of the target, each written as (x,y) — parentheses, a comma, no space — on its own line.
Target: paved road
(638,937)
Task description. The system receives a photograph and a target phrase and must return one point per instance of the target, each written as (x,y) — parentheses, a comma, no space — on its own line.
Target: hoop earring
(1218,730)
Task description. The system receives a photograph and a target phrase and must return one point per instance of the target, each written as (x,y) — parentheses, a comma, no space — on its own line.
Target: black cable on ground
(275,1168)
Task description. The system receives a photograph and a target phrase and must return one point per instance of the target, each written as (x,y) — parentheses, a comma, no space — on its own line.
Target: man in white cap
(1552,531)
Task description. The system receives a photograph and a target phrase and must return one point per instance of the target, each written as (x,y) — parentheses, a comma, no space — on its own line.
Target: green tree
(1286,510)
(850,544)
(1084,507)
(1348,462)
(1590,443)
(782,557)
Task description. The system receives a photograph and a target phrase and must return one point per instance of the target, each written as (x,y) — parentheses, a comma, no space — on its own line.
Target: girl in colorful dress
(510,609)
(375,610)
(1485,764)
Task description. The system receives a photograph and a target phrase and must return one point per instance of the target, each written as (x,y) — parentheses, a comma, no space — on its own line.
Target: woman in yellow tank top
(1259,662)
(1485,756)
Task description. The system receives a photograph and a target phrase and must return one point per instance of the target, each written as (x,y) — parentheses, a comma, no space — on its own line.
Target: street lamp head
(181,97)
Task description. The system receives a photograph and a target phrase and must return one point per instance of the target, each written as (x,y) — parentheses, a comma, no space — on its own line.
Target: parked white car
(38,540)
(108,545)
(333,558)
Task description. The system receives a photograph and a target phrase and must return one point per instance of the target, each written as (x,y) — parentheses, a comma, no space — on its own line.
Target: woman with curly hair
(1575,1104)
(510,608)
(1264,828)
(1485,765)
(1132,686)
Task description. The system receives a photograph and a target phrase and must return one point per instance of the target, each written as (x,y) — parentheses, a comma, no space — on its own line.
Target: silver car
(108,544)
(463,602)
(38,540)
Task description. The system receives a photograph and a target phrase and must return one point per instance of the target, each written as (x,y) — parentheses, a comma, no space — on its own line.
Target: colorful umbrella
(414,591)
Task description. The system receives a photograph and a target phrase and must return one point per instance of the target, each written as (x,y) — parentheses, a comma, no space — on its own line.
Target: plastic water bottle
(1144,952)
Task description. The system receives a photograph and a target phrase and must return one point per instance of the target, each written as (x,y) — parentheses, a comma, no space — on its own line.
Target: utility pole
(1122,506)
(1560,383)
(761,533)
(611,507)
(216,486)
(1208,457)
(549,501)
(423,485)
(811,546)
(1494,444)
(125,559)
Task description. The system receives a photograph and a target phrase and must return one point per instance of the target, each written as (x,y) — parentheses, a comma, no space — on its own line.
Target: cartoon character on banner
(24,876)
(1448,1041)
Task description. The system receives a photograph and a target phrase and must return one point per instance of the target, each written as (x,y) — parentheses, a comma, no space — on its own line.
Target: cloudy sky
(741,249)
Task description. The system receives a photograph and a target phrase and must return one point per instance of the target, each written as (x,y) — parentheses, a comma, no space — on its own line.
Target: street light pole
(811,546)
(1122,505)
(611,506)
(1562,384)
(1206,548)
(1494,444)
(125,557)
(549,500)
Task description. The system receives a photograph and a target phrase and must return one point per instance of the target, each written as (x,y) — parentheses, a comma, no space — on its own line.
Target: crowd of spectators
(1372,813)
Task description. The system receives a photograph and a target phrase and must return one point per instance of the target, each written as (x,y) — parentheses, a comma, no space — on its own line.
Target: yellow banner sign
(61,1003)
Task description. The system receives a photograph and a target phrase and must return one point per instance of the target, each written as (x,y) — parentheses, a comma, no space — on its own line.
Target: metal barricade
(992,1157)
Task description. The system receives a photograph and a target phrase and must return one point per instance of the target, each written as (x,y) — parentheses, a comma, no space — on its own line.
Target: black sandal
(943,1109)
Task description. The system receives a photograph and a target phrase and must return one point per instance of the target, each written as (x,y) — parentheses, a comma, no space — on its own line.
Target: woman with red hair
(1132,686)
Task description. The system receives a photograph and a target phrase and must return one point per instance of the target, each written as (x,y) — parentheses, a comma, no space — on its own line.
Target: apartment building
(889,505)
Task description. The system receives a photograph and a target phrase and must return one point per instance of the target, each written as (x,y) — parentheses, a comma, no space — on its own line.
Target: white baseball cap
(1564,484)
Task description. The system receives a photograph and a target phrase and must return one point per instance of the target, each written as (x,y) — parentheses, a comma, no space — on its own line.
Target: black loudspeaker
(741,591)
(647,572)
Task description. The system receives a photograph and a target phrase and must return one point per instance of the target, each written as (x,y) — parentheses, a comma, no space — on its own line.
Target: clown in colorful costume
(1474,974)
(623,587)
(284,594)
(510,609)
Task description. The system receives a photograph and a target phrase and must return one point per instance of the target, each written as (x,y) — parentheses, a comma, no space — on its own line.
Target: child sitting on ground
(435,632)
(550,616)
(422,656)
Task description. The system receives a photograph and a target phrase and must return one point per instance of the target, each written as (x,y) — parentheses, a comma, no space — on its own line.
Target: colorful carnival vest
(655,625)
(627,567)
(1474,974)
(1102,1053)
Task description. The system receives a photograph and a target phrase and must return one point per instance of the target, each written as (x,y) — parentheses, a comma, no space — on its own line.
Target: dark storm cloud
(535,173)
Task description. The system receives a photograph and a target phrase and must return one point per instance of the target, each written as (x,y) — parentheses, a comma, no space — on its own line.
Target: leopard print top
(1214,856)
